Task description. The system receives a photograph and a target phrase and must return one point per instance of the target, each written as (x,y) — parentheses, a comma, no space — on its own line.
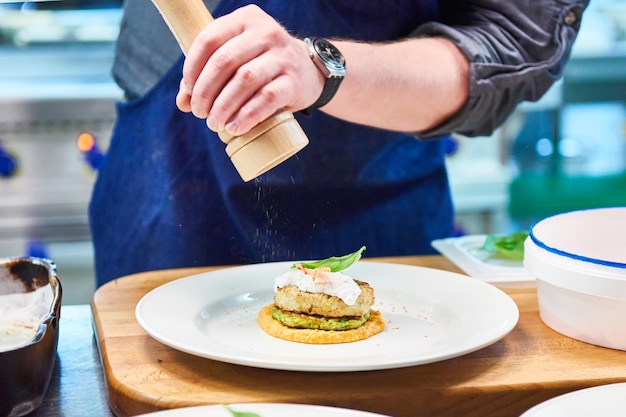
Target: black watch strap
(330,88)
(329,60)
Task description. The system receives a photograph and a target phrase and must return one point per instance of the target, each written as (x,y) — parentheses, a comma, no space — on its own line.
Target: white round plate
(263,410)
(604,400)
(431,315)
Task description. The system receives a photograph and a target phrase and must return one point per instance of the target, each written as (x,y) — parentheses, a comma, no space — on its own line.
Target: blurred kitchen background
(57,107)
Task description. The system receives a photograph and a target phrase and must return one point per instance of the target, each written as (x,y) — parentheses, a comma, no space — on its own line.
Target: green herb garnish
(509,246)
(335,263)
(241,413)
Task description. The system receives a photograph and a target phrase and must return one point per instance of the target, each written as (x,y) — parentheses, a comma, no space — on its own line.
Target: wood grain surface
(530,365)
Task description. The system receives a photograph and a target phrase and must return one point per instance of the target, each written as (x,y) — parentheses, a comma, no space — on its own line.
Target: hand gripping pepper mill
(267,144)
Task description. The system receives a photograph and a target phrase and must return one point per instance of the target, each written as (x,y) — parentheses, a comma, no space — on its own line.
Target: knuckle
(271,94)
(200,98)
(249,112)
(223,60)
(252,8)
(247,76)
(275,35)
(218,109)
(199,103)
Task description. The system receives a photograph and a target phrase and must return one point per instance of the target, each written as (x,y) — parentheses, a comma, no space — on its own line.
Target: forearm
(410,85)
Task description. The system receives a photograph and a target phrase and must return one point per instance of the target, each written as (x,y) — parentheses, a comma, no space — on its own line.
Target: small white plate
(263,410)
(431,315)
(604,400)
(466,252)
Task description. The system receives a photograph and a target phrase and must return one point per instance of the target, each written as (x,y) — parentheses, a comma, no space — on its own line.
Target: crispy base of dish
(273,327)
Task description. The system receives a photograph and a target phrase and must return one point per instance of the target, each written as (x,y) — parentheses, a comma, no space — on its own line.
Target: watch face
(329,53)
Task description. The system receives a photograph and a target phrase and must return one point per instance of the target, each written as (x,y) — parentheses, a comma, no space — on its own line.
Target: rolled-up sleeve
(517,50)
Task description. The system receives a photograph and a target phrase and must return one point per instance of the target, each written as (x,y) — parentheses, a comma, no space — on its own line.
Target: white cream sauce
(331,283)
(20,316)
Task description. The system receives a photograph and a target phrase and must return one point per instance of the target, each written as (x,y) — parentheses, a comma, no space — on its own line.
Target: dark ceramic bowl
(30,308)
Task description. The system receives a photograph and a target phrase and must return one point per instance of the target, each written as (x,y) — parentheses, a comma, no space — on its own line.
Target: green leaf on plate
(335,263)
(241,413)
(509,246)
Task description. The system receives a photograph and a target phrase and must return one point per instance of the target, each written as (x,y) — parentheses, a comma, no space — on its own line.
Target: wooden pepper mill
(267,144)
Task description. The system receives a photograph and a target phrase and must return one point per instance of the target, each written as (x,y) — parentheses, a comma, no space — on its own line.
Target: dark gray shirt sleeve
(145,48)
(517,50)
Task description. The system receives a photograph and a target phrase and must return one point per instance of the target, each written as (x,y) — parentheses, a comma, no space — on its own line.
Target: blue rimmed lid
(597,236)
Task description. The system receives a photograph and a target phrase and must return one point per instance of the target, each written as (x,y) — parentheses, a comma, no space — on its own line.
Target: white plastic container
(579,261)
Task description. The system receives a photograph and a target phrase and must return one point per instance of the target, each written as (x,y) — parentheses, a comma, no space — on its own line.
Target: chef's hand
(244,67)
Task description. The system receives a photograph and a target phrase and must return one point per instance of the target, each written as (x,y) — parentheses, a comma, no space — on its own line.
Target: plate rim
(560,399)
(509,324)
(290,407)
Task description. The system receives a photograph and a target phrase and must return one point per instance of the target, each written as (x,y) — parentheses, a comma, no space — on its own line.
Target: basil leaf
(241,413)
(509,246)
(335,263)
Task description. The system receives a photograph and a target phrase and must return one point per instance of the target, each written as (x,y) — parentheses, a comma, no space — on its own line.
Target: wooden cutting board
(530,365)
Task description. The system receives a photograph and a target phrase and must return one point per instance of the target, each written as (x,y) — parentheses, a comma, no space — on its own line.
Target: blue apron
(167,195)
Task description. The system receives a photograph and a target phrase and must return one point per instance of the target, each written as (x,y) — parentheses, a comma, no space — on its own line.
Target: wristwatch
(332,64)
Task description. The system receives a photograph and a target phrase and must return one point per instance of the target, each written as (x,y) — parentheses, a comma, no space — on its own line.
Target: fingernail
(210,121)
(231,127)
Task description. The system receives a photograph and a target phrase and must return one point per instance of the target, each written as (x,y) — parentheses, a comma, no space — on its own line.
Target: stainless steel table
(77,387)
